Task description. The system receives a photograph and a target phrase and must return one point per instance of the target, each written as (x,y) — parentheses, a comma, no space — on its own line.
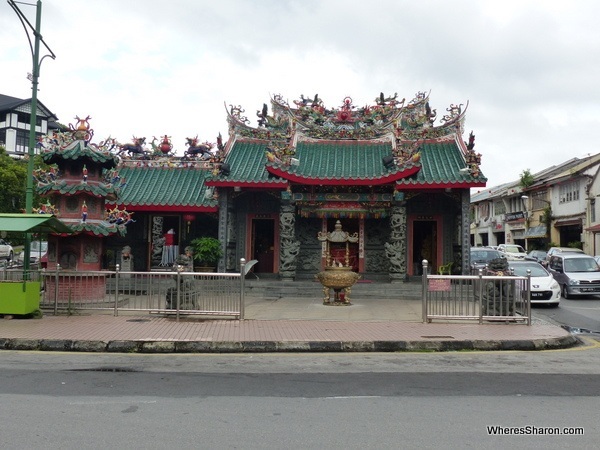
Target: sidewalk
(284,325)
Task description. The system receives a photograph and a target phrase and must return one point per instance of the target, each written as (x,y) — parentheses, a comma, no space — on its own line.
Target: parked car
(537,255)
(38,252)
(576,273)
(545,290)
(6,250)
(481,256)
(512,251)
(557,250)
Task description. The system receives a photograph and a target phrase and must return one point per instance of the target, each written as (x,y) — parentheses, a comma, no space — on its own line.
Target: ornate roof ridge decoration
(95,228)
(308,118)
(472,159)
(75,144)
(169,163)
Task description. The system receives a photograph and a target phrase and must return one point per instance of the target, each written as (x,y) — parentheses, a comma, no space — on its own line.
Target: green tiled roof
(61,186)
(440,166)
(333,161)
(97,228)
(342,160)
(247,162)
(162,186)
(78,150)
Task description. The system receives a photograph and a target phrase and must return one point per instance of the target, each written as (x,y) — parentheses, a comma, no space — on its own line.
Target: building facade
(388,173)
(15,117)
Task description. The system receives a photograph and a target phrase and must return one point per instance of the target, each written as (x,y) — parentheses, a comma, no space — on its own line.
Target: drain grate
(138,320)
(438,337)
(105,369)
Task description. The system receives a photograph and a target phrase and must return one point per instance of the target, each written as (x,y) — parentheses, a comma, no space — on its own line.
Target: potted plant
(207,251)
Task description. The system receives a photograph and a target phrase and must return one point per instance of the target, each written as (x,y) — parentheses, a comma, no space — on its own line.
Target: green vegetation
(527,179)
(207,251)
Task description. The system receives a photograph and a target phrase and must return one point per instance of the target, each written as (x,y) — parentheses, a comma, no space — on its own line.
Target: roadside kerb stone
(24,344)
(259,346)
(293,346)
(158,347)
(89,346)
(194,347)
(56,345)
(123,346)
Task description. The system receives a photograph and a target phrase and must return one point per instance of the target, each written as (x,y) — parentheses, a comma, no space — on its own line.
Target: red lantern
(189,218)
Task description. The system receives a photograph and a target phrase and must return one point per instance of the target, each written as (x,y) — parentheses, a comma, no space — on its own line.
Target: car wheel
(565,292)
(10,256)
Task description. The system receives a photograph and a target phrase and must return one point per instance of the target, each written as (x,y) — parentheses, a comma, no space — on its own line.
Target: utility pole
(36,62)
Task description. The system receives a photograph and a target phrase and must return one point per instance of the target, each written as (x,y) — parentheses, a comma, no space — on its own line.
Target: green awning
(32,223)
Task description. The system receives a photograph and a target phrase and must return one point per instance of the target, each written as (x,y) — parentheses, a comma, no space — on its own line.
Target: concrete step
(275,289)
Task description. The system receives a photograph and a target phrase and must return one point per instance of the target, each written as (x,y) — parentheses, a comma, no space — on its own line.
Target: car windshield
(536,270)
(581,265)
(37,246)
(514,249)
(484,255)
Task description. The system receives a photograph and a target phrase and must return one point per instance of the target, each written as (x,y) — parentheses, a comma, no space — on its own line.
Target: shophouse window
(569,192)
(499,208)
(539,200)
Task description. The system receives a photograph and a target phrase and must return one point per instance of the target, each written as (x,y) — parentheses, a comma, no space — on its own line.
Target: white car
(37,252)
(6,250)
(545,290)
(512,252)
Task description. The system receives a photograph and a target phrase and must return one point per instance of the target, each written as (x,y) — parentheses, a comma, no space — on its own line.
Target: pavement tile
(290,324)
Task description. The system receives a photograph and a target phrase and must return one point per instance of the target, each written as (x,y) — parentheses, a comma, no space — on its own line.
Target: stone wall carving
(395,249)
(289,245)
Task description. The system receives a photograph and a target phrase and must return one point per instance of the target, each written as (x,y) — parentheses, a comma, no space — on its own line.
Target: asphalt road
(580,313)
(304,401)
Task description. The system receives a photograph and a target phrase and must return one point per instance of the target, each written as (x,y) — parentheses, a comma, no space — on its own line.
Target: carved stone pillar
(465,231)
(289,247)
(223,229)
(395,249)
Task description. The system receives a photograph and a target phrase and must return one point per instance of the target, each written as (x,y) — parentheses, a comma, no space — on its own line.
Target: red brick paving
(110,328)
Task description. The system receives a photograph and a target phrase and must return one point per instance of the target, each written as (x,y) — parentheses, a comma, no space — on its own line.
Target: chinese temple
(390,173)
(80,178)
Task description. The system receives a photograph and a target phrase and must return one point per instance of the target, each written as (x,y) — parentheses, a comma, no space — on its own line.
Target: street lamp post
(36,63)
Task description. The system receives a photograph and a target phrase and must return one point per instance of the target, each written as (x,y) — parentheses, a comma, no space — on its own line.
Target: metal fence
(169,292)
(478,298)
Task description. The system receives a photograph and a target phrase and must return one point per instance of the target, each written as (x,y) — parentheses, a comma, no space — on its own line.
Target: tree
(527,179)
(13,182)
(13,177)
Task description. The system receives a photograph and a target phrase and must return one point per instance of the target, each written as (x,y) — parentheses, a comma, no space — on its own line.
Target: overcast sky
(528,69)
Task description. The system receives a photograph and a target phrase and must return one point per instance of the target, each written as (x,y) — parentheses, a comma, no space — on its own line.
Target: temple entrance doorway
(338,252)
(263,244)
(424,245)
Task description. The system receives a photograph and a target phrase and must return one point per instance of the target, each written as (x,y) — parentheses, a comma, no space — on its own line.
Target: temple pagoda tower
(82,176)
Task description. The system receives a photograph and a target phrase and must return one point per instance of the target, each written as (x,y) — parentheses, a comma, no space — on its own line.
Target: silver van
(576,273)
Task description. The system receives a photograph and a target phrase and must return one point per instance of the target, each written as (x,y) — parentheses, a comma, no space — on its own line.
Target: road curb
(146,346)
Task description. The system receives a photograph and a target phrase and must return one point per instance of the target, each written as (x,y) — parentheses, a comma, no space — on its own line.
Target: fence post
(179,269)
(480,287)
(242,283)
(56,289)
(424,291)
(528,297)
(117,276)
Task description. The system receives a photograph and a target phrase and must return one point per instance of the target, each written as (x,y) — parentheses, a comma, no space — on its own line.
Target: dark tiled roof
(181,187)
(8,103)
(440,167)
